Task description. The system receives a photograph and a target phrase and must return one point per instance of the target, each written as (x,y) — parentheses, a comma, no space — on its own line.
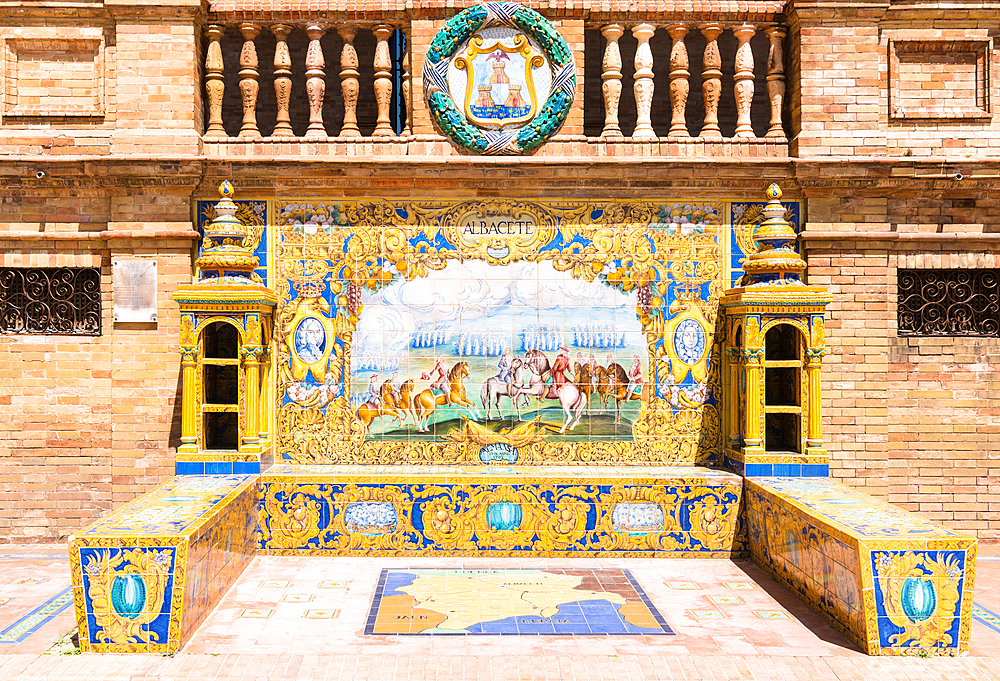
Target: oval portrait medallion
(499,79)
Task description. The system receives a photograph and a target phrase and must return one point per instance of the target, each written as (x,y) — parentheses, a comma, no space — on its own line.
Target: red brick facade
(105,157)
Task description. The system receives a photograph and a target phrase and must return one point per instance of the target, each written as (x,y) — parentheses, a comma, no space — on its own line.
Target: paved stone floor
(305,618)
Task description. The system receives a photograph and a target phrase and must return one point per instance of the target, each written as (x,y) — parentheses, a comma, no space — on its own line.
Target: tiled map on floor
(520,601)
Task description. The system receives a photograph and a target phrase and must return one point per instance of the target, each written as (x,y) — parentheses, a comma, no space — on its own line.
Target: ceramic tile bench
(890,581)
(145,576)
(675,511)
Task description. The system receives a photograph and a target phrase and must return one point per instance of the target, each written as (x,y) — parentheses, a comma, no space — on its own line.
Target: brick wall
(914,420)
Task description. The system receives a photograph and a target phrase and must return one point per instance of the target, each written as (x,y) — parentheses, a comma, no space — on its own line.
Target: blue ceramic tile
(788,470)
(752,469)
(820,470)
(190,468)
(219,468)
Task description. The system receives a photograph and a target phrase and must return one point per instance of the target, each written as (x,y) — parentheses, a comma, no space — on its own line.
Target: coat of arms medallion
(500,79)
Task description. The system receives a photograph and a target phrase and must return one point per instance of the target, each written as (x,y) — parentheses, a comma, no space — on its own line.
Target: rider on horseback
(372,395)
(503,368)
(439,373)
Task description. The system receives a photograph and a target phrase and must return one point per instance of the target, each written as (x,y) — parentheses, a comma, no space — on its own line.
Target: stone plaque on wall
(134,283)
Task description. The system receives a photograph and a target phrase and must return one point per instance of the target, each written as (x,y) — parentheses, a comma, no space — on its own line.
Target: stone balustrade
(714,69)
(679,76)
(391,84)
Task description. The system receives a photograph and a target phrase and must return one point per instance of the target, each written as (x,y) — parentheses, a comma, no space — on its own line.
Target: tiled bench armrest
(892,582)
(145,576)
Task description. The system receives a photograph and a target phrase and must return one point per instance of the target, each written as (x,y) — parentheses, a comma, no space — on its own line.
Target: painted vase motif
(504,515)
(637,518)
(128,595)
(918,599)
(371,518)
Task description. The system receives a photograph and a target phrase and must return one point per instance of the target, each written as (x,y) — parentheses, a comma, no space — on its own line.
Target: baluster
(315,83)
(282,80)
(248,80)
(215,85)
(744,80)
(679,86)
(643,81)
(349,82)
(611,77)
(775,79)
(406,84)
(711,80)
(383,80)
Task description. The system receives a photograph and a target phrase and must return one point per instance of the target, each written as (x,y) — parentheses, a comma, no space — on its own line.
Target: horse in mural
(406,400)
(571,398)
(369,411)
(493,389)
(426,401)
(613,383)
(585,381)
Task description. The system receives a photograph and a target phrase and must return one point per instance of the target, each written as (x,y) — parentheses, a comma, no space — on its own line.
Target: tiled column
(744,80)
(643,81)
(679,86)
(189,376)
(814,364)
(711,80)
(775,79)
(249,86)
(315,83)
(282,80)
(265,395)
(611,79)
(734,398)
(752,362)
(251,355)
(215,85)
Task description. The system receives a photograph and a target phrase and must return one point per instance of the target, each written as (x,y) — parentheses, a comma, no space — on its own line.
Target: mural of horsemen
(498,345)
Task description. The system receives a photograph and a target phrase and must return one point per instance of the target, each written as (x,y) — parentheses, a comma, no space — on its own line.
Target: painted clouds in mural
(498,345)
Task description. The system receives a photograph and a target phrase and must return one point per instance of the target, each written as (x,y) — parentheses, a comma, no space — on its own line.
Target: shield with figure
(500,88)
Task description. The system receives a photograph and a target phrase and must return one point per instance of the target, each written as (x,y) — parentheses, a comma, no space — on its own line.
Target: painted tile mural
(510,331)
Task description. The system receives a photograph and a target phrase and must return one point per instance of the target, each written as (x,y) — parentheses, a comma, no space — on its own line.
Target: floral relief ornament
(485,75)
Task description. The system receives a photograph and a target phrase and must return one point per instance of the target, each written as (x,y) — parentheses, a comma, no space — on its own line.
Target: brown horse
(369,411)
(406,400)
(426,401)
(583,381)
(614,383)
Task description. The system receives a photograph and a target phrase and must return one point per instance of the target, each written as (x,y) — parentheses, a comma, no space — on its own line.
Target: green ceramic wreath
(550,116)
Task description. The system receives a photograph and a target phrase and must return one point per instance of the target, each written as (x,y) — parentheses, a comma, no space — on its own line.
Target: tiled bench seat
(890,581)
(145,576)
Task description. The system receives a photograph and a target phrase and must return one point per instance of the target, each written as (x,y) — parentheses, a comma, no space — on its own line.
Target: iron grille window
(51,300)
(949,303)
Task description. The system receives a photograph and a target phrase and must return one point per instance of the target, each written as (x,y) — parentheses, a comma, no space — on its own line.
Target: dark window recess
(222,341)
(50,300)
(781,432)
(949,303)
(221,384)
(222,430)
(781,387)
(781,343)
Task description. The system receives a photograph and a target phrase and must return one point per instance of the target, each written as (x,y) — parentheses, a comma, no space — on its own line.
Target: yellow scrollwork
(919,593)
